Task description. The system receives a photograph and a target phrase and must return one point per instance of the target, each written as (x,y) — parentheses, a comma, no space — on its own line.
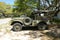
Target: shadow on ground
(28,28)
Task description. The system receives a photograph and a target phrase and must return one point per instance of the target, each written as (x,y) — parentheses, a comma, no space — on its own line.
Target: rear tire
(17,27)
(42,26)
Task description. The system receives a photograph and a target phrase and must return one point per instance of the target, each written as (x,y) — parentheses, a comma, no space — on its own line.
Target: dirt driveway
(7,34)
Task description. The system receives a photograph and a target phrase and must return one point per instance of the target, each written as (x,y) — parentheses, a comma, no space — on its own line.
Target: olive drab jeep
(39,18)
(36,19)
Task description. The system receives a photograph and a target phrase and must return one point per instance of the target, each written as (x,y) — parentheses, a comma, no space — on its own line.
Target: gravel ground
(7,34)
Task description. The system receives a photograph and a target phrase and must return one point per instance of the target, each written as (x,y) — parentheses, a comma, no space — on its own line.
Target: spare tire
(27,21)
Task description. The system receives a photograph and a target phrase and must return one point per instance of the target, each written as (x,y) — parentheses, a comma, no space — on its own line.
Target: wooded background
(26,6)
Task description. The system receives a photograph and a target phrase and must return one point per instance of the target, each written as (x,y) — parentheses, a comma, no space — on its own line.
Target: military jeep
(37,19)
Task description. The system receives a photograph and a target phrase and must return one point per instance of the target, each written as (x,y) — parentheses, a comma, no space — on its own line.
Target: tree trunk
(38,5)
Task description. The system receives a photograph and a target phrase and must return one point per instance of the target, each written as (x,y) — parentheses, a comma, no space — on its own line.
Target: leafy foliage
(27,6)
(5,8)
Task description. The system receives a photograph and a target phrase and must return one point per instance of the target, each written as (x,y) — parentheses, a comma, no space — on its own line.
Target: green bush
(57,20)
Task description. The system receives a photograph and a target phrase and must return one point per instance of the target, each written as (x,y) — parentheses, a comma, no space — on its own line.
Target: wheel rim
(42,27)
(17,28)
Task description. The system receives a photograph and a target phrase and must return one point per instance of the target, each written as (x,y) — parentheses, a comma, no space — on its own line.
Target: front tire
(17,27)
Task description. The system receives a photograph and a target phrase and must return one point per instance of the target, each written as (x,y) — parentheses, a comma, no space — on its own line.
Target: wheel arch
(43,22)
(16,22)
